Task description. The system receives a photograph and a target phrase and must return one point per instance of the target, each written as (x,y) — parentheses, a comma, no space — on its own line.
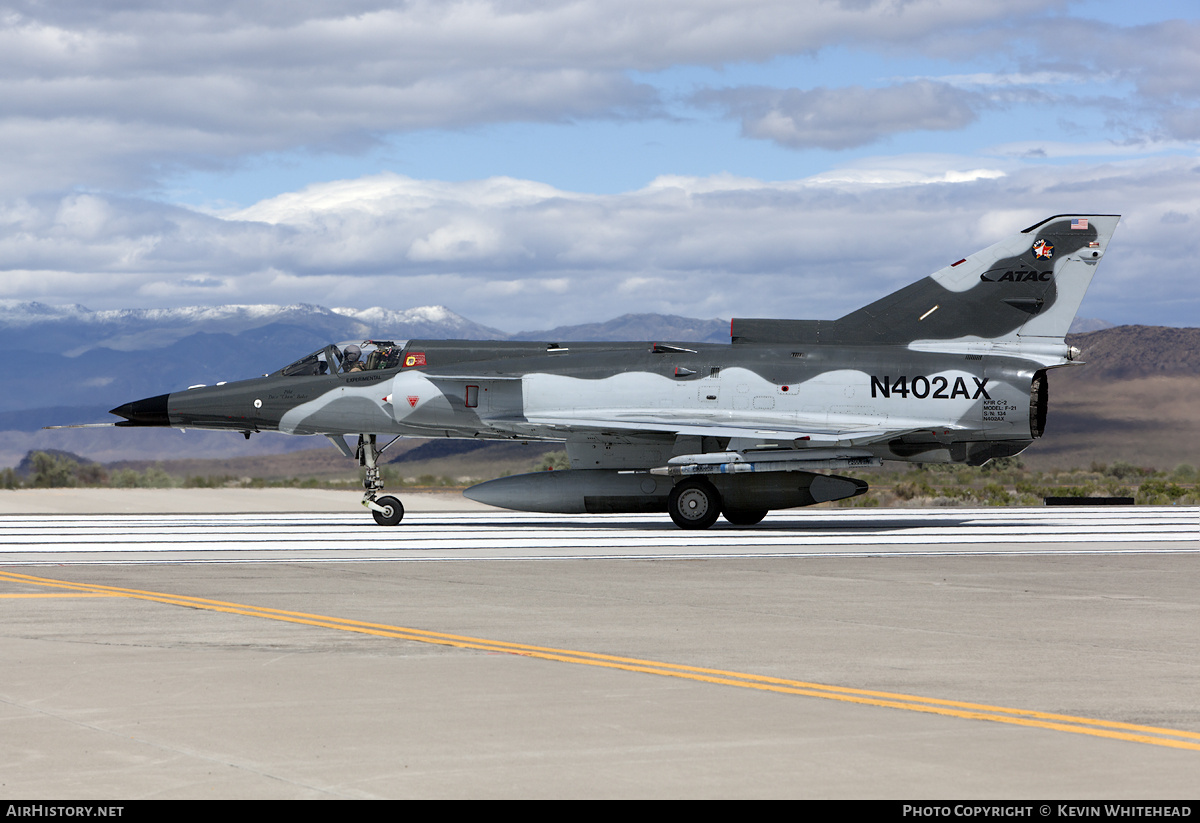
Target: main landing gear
(696,504)
(387,510)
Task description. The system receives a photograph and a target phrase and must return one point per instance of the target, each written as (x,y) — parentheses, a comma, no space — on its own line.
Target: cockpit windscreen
(343,358)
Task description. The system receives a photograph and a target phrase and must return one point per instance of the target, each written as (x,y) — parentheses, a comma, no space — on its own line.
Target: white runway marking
(40,540)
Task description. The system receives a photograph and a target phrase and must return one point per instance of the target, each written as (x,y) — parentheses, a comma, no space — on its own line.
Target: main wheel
(392,514)
(745,517)
(694,504)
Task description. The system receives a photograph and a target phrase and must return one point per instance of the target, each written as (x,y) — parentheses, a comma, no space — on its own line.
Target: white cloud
(531,255)
(116,95)
(838,118)
(109,98)
(458,241)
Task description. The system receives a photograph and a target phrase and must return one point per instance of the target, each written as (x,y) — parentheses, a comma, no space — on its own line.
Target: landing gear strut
(387,511)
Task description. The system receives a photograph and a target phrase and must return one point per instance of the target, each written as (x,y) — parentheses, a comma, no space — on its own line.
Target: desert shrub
(554,461)
(993,494)
(52,471)
(1123,471)
(1158,492)
(125,479)
(911,489)
(1003,464)
(155,478)
(90,474)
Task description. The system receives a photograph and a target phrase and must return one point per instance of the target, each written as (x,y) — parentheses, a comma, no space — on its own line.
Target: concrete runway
(912,654)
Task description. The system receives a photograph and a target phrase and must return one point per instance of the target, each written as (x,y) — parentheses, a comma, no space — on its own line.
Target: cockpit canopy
(350,356)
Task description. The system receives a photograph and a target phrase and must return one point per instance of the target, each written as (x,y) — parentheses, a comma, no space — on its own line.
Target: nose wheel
(390,511)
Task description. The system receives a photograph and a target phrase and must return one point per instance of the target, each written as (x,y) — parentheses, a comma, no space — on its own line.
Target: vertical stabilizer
(1029,285)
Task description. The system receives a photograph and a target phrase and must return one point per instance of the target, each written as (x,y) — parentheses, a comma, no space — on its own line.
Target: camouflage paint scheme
(949,369)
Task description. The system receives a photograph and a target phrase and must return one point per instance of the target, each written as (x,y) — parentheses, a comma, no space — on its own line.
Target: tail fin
(1029,285)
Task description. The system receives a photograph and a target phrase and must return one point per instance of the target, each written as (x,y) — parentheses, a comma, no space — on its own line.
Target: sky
(533,163)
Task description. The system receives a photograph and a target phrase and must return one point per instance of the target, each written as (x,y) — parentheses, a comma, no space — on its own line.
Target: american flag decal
(1079,223)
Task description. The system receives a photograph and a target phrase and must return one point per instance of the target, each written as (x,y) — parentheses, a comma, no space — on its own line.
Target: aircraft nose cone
(149,412)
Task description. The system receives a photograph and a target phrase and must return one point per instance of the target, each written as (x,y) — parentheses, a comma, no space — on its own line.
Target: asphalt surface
(901,654)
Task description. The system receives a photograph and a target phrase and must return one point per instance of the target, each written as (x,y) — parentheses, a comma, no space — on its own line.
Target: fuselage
(948,404)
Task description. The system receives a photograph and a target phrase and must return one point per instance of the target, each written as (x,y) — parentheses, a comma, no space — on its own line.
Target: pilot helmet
(351,355)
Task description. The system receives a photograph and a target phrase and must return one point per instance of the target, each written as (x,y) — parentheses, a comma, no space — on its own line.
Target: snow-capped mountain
(141,329)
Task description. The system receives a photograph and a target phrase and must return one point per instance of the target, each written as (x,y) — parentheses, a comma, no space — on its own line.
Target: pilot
(352,359)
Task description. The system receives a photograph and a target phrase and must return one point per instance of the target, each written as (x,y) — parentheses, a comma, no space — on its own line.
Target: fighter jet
(950,369)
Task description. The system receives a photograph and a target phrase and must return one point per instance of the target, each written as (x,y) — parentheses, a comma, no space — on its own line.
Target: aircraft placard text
(922,387)
(996,411)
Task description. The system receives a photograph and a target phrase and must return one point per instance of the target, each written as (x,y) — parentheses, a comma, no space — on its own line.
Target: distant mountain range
(26,325)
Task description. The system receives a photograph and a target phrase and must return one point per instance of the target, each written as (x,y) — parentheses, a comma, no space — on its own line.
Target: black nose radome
(149,412)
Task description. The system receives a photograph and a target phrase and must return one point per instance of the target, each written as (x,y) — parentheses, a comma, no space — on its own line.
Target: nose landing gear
(387,510)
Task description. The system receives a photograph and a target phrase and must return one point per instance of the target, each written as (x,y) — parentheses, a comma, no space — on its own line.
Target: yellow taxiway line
(1153,735)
